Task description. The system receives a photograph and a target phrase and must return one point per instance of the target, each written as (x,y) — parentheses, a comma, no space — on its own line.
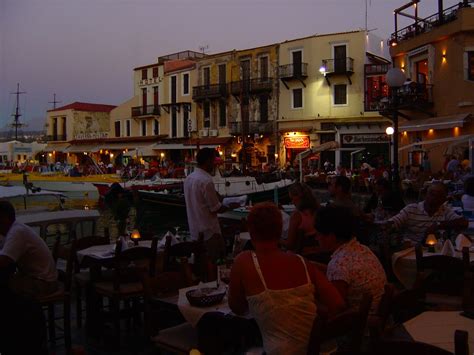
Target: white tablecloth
(193,314)
(404,265)
(104,251)
(437,328)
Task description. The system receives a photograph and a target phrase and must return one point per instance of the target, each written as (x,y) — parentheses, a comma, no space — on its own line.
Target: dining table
(437,328)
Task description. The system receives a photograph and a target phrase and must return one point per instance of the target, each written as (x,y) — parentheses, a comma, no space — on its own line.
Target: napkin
(462,241)
(448,248)
(163,240)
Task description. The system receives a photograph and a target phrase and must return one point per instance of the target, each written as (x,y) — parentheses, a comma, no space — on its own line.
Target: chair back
(67,253)
(351,323)
(447,273)
(131,263)
(378,321)
(461,342)
(183,251)
(87,242)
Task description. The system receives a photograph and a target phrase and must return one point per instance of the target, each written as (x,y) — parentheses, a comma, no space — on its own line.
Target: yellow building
(68,126)
(437,55)
(237,102)
(329,85)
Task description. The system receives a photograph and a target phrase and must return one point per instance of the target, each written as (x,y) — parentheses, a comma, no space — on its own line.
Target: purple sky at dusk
(85,50)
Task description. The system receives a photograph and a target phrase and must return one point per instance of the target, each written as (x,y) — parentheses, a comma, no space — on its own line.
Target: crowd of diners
(280,283)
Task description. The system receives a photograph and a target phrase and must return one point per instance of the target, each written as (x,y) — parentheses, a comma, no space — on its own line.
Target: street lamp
(395,78)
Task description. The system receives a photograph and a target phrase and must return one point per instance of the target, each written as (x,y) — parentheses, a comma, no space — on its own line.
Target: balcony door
(263,68)
(173,89)
(297,60)
(64,137)
(340,58)
(222,77)
(144,101)
(245,74)
(206,76)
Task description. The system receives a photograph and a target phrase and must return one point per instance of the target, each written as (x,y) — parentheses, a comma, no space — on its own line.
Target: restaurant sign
(365,138)
(299,142)
(91,135)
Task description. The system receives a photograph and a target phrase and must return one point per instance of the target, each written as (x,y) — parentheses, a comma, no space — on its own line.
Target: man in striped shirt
(428,216)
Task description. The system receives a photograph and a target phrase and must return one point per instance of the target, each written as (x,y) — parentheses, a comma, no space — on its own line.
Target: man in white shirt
(36,275)
(203,204)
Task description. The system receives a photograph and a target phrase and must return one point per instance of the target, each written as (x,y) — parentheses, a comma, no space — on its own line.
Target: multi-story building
(237,97)
(437,101)
(69,125)
(329,90)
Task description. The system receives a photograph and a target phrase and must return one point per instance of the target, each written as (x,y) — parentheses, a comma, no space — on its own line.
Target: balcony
(427,24)
(214,91)
(411,97)
(150,110)
(56,138)
(235,128)
(241,87)
(261,85)
(376,69)
(293,71)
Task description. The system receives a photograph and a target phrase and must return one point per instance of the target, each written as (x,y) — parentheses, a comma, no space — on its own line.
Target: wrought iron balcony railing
(240,87)
(411,96)
(338,66)
(55,138)
(377,69)
(150,110)
(209,91)
(235,128)
(293,71)
(260,85)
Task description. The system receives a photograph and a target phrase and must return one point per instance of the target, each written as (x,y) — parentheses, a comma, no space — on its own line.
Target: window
(186,84)
(155,96)
(174,122)
(222,113)
(470,65)
(144,99)
(264,68)
(143,127)
(340,94)
(185,122)
(144,74)
(156,127)
(297,97)
(128,128)
(173,89)
(155,72)
(207,114)
(263,105)
(117,129)
(206,76)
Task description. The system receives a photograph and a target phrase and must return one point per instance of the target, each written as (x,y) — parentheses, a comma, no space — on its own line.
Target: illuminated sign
(299,142)
(365,138)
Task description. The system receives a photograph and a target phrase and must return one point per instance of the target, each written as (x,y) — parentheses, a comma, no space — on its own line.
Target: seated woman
(279,289)
(301,232)
(353,268)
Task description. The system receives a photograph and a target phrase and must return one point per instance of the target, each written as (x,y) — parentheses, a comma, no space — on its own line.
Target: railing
(253,127)
(261,85)
(146,110)
(410,96)
(55,137)
(427,24)
(209,91)
(374,69)
(293,71)
(238,87)
(339,66)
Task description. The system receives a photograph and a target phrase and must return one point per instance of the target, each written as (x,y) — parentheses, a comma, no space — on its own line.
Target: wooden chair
(378,322)
(62,295)
(388,347)
(351,323)
(128,267)
(83,278)
(444,286)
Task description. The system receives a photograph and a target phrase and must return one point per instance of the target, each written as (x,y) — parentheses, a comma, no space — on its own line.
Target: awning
(123,146)
(179,146)
(144,151)
(458,140)
(80,148)
(59,147)
(442,122)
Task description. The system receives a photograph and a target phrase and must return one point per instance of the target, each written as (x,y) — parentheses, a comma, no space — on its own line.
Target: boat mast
(16,120)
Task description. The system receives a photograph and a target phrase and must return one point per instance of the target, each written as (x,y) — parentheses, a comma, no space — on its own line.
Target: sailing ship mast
(16,116)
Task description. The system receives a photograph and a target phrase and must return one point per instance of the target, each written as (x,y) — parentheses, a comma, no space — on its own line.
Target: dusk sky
(85,50)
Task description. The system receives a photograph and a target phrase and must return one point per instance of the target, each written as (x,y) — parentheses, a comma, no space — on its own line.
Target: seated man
(428,216)
(353,268)
(36,275)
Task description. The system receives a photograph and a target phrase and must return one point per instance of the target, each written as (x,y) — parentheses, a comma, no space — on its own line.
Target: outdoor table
(404,265)
(193,314)
(103,253)
(437,328)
